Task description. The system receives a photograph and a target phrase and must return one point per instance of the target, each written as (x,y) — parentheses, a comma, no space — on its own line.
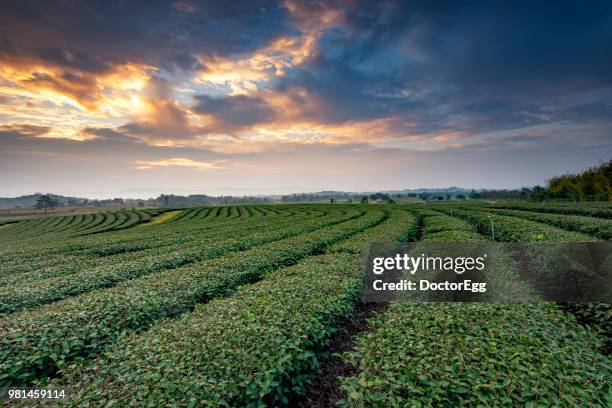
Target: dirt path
(325,390)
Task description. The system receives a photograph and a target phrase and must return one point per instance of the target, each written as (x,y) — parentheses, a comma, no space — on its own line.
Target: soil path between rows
(325,390)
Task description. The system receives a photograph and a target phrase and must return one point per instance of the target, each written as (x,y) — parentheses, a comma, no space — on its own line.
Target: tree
(539,194)
(474,195)
(594,183)
(331,200)
(364,200)
(460,197)
(44,202)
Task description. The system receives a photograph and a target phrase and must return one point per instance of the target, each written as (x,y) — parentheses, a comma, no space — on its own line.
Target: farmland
(238,305)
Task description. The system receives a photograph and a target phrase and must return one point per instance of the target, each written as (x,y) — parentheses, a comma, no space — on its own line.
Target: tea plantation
(237,306)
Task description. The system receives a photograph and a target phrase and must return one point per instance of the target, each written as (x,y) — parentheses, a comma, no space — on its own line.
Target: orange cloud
(176,162)
(130,98)
(23,129)
(443,137)
(242,73)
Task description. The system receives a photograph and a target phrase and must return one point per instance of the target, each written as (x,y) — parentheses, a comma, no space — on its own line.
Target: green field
(237,305)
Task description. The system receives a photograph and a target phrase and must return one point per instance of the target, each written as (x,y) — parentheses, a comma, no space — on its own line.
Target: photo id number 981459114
(14,394)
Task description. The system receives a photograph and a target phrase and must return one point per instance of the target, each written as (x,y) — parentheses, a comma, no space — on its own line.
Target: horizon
(257,193)
(235,194)
(296,96)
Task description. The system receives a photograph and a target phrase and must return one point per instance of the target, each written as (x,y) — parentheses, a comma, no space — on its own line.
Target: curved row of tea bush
(191,213)
(40,226)
(596,212)
(117,249)
(440,228)
(36,343)
(62,252)
(475,354)
(30,224)
(593,226)
(517,229)
(80,223)
(125,219)
(189,231)
(133,240)
(49,254)
(255,347)
(400,224)
(508,228)
(109,271)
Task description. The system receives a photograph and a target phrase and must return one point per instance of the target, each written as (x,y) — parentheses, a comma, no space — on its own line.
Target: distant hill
(171,200)
(164,200)
(384,195)
(28,201)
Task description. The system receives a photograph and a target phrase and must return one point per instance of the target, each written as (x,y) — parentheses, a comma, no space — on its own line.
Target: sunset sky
(137,98)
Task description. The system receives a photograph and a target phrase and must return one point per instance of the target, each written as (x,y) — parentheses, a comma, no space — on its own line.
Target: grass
(161,218)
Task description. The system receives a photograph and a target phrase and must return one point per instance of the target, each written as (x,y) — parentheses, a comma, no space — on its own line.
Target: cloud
(112,92)
(23,130)
(234,112)
(105,133)
(162,119)
(77,36)
(178,78)
(159,118)
(244,73)
(447,68)
(59,57)
(176,162)
(184,6)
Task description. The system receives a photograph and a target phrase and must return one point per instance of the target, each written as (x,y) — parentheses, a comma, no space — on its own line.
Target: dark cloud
(94,36)
(476,66)
(435,67)
(106,133)
(587,111)
(23,130)
(238,110)
(470,66)
(481,43)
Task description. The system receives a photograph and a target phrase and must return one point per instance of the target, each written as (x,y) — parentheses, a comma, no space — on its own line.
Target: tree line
(593,184)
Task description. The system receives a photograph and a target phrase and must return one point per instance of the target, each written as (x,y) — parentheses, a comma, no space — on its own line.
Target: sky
(138,98)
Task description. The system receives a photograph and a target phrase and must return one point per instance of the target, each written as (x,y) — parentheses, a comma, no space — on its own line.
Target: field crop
(250,348)
(32,291)
(80,224)
(238,305)
(515,229)
(29,352)
(475,354)
(597,212)
(598,228)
